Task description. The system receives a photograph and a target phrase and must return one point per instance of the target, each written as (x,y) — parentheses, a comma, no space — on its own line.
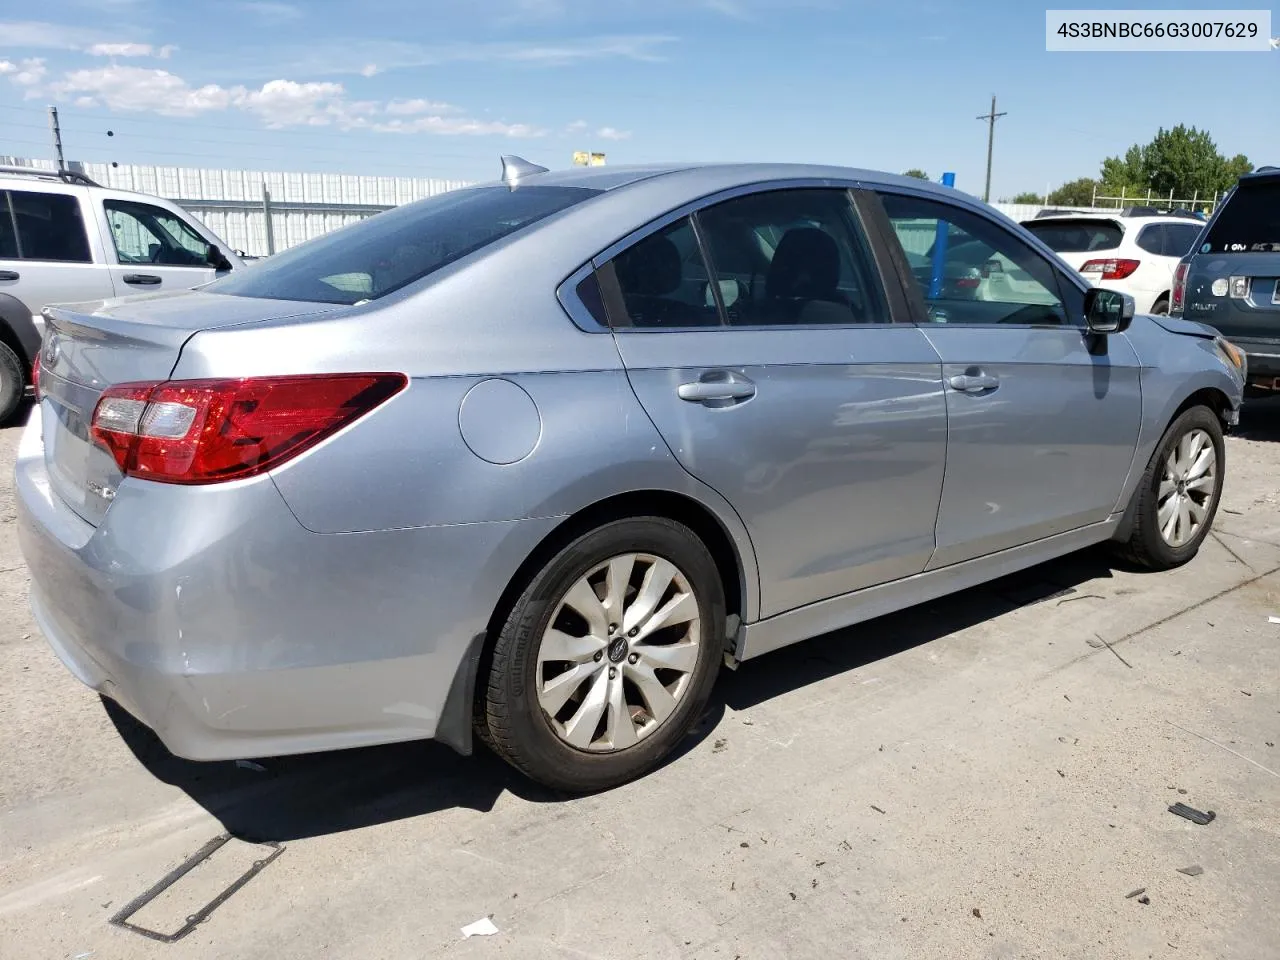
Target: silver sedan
(532,459)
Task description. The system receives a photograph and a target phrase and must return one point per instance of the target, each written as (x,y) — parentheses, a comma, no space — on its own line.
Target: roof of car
(610,178)
(1117,217)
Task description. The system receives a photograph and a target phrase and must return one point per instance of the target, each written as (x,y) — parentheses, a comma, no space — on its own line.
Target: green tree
(917,173)
(1076,193)
(1183,160)
(1027,197)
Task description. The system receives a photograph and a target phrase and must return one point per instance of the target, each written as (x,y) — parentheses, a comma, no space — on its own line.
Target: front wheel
(1177,498)
(608,657)
(13,381)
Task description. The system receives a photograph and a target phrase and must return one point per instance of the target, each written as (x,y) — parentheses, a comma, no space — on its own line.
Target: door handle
(142,279)
(718,386)
(8,274)
(973,383)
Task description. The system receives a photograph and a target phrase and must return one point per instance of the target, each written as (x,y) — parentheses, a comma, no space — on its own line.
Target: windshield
(1077,236)
(377,256)
(1250,221)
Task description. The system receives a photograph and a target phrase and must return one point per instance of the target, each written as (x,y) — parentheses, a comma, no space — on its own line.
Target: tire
(13,382)
(1148,545)
(1161,307)
(606,673)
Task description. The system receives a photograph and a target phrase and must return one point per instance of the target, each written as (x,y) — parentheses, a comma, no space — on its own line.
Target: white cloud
(25,73)
(139,89)
(277,103)
(120,50)
(369,70)
(577,126)
(612,133)
(407,108)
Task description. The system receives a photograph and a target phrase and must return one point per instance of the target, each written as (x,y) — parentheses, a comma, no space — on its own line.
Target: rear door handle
(717,387)
(142,279)
(973,383)
(8,274)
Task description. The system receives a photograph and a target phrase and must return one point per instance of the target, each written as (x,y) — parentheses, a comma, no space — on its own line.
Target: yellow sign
(581,158)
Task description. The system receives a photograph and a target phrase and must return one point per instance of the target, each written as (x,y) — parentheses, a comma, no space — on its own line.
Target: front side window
(970,270)
(146,234)
(49,226)
(390,250)
(1249,222)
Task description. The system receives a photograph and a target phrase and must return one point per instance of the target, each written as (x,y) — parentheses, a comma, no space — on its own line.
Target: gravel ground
(979,777)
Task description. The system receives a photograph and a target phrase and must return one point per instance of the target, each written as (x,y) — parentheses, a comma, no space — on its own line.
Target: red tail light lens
(1179,295)
(969,283)
(206,431)
(35,375)
(1111,269)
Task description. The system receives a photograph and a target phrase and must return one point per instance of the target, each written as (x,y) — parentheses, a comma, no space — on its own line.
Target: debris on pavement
(250,765)
(744,844)
(719,746)
(1192,814)
(844,845)
(876,809)
(977,913)
(1192,871)
(484,927)
(1135,893)
(1144,900)
(793,896)
(1273,619)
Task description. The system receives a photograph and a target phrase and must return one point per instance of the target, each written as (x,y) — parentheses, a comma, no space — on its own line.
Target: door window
(1151,239)
(1179,238)
(970,270)
(661,281)
(146,234)
(8,230)
(792,257)
(49,226)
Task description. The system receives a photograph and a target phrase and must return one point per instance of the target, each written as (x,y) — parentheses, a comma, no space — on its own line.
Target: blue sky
(433,88)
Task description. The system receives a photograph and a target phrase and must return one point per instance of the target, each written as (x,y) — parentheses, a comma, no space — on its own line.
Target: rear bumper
(216,619)
(1264,361)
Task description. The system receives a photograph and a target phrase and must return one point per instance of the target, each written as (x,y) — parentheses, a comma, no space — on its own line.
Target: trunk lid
(89,347)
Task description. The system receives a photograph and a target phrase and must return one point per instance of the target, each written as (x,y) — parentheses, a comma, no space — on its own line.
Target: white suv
(64,239)
(1136,255)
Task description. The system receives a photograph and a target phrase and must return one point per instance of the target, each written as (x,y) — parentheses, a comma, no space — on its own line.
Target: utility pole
(991,119)
(57,137)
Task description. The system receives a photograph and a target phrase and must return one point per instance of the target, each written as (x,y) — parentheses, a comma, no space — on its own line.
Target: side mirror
(216,259)
(1107,311)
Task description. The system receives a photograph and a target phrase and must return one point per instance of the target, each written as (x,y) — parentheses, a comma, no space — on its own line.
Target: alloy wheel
(1188,484)
(619,653)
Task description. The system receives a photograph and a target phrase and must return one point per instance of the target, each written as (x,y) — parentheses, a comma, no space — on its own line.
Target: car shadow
(288,798)
(1259,420)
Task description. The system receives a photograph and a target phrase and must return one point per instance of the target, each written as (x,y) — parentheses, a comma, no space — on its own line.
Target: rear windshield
(389,250)
(1249,222)
(1077,236)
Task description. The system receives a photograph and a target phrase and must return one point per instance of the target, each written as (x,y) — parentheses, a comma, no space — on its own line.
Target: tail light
(206,431)
(969,283)
(1178,298)
(1111,269)
(35,376)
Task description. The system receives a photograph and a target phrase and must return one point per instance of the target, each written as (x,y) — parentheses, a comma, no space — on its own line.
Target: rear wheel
(13,381)
(1177,498)
(608,656)
(1161,307)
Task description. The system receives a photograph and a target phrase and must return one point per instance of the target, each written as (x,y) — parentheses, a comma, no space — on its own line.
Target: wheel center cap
(617,650)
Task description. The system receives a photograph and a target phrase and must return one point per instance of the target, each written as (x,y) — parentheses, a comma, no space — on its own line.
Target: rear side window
(1077,236)
(49,226)
(390,250)
(1180,238)
(1151,239)
(1249,222)
(661,281)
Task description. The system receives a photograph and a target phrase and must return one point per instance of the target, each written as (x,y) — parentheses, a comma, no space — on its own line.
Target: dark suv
(1231,279)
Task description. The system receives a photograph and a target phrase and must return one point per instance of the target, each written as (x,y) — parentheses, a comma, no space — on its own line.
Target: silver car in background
(532,459)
